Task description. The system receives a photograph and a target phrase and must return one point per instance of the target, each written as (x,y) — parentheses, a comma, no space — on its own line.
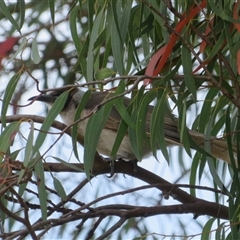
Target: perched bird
(219,148)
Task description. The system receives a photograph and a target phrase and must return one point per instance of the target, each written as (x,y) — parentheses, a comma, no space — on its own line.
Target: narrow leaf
(35,53)
(157,126)
(93,130)
(52,10)
(73,29)
(40,178)
(22,12)
(206,232)
(59,188)
(122,131)
(117,49)
(28,152)
(68,164)
(187,68)
(53,112)
(184,134)
(8,95)
(29,146)
(133,137)
(142,121)
(7,14)
(7,136)
(93,36)
(79,110)
(124,113)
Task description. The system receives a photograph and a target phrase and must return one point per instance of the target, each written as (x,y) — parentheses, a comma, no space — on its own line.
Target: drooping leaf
(8,95)
(35,52)
(40,178)
(78,115)
(206,233)
(52,114)
(157,125)
(59,188)
(22,12)
(7,14)
(93,130)
(7,137)
(187,68)
(52,10)
(93,36)
(73,29)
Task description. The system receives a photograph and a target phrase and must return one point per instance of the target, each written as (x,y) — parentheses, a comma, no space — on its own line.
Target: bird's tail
(219,147)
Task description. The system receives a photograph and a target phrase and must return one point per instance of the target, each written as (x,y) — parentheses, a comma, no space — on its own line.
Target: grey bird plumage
(219,148)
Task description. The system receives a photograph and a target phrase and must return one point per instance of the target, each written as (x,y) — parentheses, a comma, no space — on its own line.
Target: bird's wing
(170,125)
(114,117)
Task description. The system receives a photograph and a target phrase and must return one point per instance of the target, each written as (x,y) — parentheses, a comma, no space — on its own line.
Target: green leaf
(220,12)
(229,140)
(138,135)
(68,164)
(14,154)
(220,232)
(193,173)
(59,188)
(52,114)
(206,232)
(93,130)
(29,146)
(206,108)
(90,13)
(125,18)
(116,15)
(52,10)
(157,125)
(187,68)
(215,176)
(8,95)
(7,14)
(40,178)
(133,137)
(6,137)
(117,49)
(124,113)
(122,130)
(22,12)
(93,36)
(74,130)
(143,119)
(126,121)
(73,29)
(35,53)
(104,73)
(184,135)
(28,152)
(217,46)
(3,216)
(22,188)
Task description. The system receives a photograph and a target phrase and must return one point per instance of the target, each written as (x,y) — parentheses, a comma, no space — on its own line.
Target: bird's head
(74,96)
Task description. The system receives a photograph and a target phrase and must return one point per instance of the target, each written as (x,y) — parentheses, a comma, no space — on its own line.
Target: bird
(218,147)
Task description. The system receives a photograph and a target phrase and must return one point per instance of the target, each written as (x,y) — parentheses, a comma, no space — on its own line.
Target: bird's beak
(44,98)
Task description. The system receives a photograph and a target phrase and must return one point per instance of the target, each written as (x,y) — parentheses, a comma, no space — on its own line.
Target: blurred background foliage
(190,52)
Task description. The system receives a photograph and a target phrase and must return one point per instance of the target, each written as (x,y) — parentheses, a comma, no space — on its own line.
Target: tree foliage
(180,56)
